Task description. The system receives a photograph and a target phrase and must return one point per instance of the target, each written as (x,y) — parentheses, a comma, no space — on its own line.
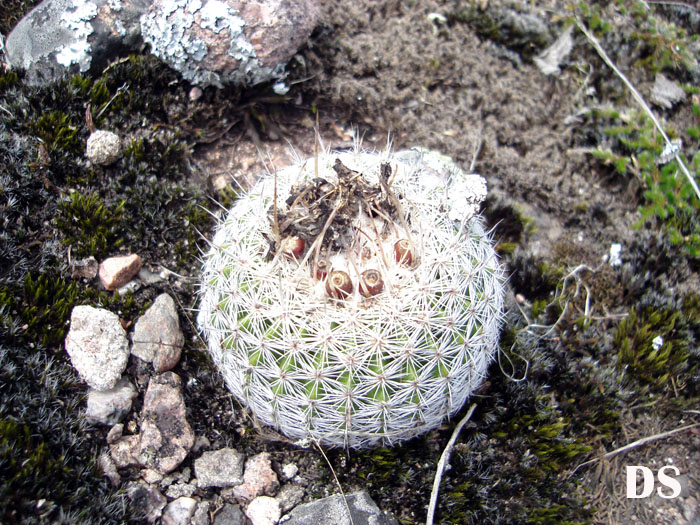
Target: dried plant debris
(323,207)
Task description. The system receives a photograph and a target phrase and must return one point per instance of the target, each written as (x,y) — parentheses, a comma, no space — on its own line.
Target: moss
(88,226)
(24,459)
(38,311)
(55,130)
(47,459)
(654,363)
(501,27)
(13,11)
(555,514)
(227,196)
(8,79)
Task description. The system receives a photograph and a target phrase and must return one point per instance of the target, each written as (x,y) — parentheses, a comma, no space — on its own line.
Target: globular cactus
(354,298)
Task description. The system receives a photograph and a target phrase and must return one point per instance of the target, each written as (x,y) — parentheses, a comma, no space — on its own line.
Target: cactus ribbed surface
(354,298)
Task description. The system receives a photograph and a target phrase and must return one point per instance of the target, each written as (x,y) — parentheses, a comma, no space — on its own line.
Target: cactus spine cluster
(354,298)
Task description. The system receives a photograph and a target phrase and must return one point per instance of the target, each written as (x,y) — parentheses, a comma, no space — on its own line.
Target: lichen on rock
(216,42)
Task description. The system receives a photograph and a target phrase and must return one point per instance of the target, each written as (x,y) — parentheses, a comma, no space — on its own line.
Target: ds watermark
(648,483)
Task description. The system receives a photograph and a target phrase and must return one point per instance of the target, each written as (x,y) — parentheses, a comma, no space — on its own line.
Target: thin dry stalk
(637,443)
(443,463)
(335,477)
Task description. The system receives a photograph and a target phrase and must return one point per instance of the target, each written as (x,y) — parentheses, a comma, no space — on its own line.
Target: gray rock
(179,512)
(201,514)
(97,345)
(109,469)
(258,479)
(129,288)
(124,450)
(216,42)
(110,406)
(103,147)
(84,268)
(289,470)
(157,337)
(200,443)
(230,515)
(115,433)
(147,500)
(166,436)
(333,511)
(289,496)
(60,37)
(148,277)
(151,476)
(264,510)
(220,468)
(178,490)
(684,481)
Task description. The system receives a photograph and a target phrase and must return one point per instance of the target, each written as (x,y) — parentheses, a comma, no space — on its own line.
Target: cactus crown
(354,298)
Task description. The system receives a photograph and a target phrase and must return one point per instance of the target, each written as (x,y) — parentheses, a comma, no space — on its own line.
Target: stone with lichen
(63,37)
(217,42)
(166,437)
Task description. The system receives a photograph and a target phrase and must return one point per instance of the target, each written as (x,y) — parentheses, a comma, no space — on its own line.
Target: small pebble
(103,147)
(115,272)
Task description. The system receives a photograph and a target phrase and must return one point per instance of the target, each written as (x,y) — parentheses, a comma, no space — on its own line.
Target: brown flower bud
(322,269)
(371,283)
(292,246)
(338,284)
(403,252)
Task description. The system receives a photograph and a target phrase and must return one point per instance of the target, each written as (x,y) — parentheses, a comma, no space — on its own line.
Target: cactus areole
(354,299)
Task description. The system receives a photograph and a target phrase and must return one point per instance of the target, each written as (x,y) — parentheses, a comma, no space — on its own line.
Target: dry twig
(443,463)
(637,443)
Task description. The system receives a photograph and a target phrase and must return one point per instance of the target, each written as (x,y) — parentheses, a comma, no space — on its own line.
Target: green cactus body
(384,361)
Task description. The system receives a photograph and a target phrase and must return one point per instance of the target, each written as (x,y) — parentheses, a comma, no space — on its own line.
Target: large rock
(215,42)
(157,337)
(97,345)
(60,37)
(166,436)
(333,510)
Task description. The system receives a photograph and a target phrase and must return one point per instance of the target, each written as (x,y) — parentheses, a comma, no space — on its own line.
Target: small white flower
(657,342)
(280,88)
(614,257)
